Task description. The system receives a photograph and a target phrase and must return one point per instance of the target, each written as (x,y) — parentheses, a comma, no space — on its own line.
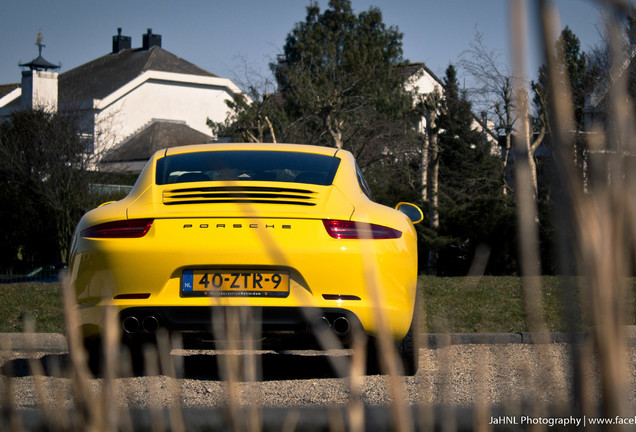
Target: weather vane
(38,42)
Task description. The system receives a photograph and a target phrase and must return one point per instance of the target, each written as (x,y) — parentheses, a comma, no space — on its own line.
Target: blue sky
(223,36)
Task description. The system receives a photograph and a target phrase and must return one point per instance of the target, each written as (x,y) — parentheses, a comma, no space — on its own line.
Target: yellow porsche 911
(289,231)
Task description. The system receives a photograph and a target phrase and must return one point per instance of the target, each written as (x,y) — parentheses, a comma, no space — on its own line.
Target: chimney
(39,83)
(150,40)
(120,42)
(39,90)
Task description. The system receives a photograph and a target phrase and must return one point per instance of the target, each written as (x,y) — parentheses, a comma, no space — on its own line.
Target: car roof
(300,148)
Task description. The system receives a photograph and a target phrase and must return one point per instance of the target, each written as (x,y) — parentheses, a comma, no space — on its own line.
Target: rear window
(244,165)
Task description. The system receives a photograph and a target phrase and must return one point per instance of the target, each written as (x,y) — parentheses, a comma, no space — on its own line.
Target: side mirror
(411,211)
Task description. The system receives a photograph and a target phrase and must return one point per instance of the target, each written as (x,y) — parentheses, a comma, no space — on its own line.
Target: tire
(135,349)
(407,350)
(373,357)
(94,354)
(409,347)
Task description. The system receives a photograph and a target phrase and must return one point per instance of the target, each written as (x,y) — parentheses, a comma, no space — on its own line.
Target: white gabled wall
(422,82)
(160,95)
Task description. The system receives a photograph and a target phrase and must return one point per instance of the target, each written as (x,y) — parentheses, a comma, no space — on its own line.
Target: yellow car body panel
(368,278)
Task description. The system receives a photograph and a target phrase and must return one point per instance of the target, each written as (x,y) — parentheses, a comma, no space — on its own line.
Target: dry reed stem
(37,374)
(110,342)
(482,412)
(603,227)
(425,414)
(8,407)
(448,413)
(291,421)
(355,408)
(527,216)
(600,221)
(235,334)
(151,367)
(177,423)
(526,197)
(389,362)
(87,408)
(227,326)
(335,420)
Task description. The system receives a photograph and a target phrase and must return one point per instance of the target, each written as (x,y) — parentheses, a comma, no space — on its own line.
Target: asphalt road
(458,374)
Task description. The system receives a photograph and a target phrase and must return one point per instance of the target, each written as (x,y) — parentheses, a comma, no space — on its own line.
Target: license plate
(234,283)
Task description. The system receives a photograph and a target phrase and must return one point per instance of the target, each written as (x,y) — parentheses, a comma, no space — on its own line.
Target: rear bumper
(263,320)
(364,278)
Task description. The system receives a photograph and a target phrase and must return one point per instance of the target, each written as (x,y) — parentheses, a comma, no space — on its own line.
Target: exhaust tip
(150,324)
(341,326)
(320,324)
(130,324)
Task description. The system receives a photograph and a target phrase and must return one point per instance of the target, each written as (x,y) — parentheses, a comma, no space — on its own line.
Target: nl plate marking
(234,283)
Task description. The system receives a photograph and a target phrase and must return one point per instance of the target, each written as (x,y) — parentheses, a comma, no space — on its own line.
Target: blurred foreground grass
(491,304)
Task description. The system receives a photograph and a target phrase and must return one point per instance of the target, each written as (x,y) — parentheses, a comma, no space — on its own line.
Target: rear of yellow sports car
(298,250)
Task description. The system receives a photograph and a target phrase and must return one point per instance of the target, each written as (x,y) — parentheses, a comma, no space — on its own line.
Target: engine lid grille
(240,195)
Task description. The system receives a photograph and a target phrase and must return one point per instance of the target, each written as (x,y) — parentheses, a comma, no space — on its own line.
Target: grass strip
(490,304)
(42,301)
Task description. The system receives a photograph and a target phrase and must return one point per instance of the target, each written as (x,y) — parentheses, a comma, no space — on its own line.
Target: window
(247,165)
(363,184)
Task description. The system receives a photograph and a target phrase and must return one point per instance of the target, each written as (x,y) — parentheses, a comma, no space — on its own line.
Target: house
(421,79)
(597,102)
(131,101)
(606,132)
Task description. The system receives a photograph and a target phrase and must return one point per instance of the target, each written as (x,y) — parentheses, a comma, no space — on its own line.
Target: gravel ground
(460,376)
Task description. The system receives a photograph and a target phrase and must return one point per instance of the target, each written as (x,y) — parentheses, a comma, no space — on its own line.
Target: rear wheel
(135,349)
(409,347)
(94,354)
(407,350)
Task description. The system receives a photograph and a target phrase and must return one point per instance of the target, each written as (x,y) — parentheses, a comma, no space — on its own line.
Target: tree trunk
(433,193)
(271,129)
(424,166)
(506,157)
(334,128)
(532,148)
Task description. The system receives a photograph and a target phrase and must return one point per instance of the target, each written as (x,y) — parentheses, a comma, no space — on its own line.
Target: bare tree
(493,92)
(251,113)
(431,106)
(249,120)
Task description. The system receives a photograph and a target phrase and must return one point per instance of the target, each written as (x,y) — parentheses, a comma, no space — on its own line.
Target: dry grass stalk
(37,375)
(527,213)
(151,366)
(601,219)
(603,235)
(355,408)
(527,216)
(111,350)
(87,406)
(177,423)
(389,362)
(8,409)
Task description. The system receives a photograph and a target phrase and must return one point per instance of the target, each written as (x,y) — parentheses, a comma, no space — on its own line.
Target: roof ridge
(152,54)
(103,75)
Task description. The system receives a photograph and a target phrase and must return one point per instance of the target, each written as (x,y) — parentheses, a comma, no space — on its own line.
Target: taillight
(133,228)
(340,229)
